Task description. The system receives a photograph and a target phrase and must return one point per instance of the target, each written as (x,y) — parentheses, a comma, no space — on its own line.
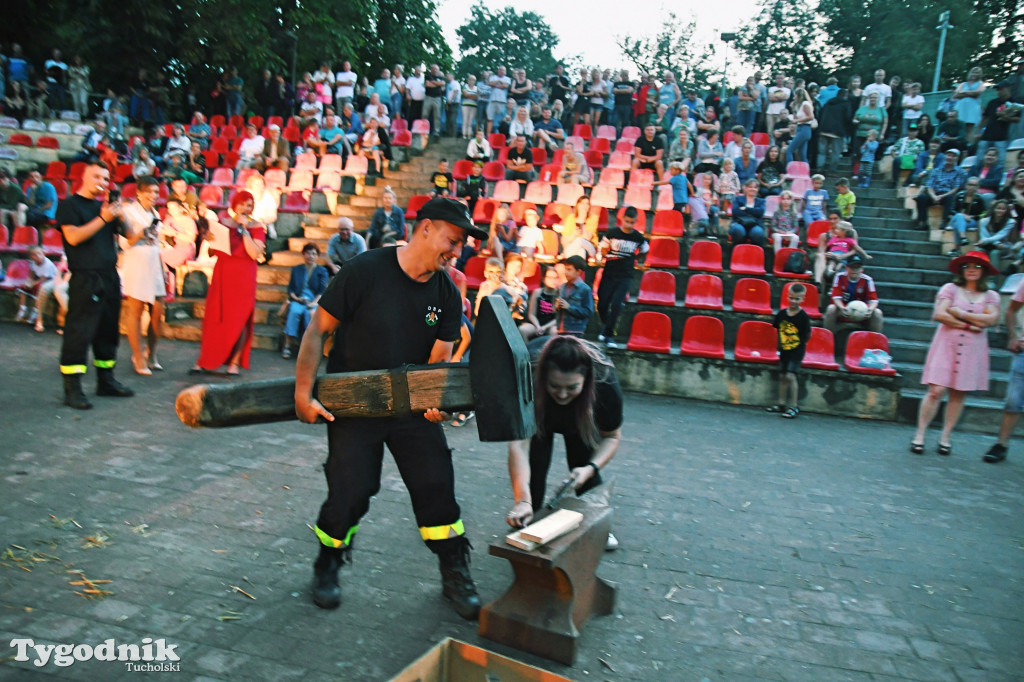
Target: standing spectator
(912,106)
(803,116)
(622,93)
(558,86)
(520,88)
(747,99)
(998,118)
(19,70)
(1015,387)
(78,80)
(42,275)
(41,199)
(382,88)
(143,275)
(794,331)
(233,85)
(621,247)
(345,83)
(871,116)
(434,95)
(13,202)
(499,84)
(470,95)
(575,302)
(868,151)
(89,226)
(958,359)
(388,221)
(853,285)
(452,101)
(815,200)
(397,91)
(881,88)
(967,98)
(231,300)
(748,216)
(343,246)
(904,155)
(846,201)
(778,95)
(56,78)
(15,101)
(680,185)
(834,127)
(265,95)
(306,284)
(941,188)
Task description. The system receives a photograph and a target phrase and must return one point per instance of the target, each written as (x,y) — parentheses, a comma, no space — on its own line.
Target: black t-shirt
(442,182)
(607,409)
(434,90)
(623,98)
(649,147)
(996,130)
(623,249)
(386,318)
(526,155)
(522,98)
(794,330)
(771,171)
(99,251)
(559,86)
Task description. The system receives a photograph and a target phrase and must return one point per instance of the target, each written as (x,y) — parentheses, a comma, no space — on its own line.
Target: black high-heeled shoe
(917,448)
(944,450)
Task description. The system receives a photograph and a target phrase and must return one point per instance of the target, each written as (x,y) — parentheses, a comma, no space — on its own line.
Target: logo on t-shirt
(433,315)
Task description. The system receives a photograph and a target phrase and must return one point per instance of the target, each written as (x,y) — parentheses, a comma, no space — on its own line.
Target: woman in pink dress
(958,357)
(231,300)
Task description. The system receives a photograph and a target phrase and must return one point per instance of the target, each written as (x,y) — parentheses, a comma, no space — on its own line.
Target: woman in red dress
(231,300)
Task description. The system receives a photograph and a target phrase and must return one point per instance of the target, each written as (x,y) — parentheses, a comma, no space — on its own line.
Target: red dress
(230,302)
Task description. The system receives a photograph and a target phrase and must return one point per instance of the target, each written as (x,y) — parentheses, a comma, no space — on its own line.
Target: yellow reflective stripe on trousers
(104,364)
(72,369)
(442,532)
(331,542)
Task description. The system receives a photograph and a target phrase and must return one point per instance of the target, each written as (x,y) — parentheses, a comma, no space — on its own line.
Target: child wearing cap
(794,329)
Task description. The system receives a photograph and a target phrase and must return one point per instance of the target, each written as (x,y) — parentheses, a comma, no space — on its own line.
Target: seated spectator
(478,149)
(387,221)
(783,132)
(92,144)
(504,123)
(574,167)
(849,286)
(575,301)
(941,189)
(39,102)
(771,173)
(15,101)
(548,133)
(504,234)
(344,245)
(735,146)
(442,180)
(199,131)
(503,280)
(276,151)
(904,154)
(709,154)
(474,186)
(989,173)
(785,223)
(265,203)
(116,120)
(194,166)
(378,112)
(1000,235)
(580,219)
(747,217)
(531,237)
(157,146)
(662,124)
(815,200)
(834,248)
(746,162)
(307,283)
(58,289)
(41,199)
(42,273)
(519,163)
(704,206)
(330,136)
(521,124)
(312,109)
(251,149)
(681,150)
(144,165)
(968,209)
(928,160)
(951,133)
(178,144)
(352,125)
(371,147)
(574,242)
(684,120)
(13,202)
(541,316)
(649,152)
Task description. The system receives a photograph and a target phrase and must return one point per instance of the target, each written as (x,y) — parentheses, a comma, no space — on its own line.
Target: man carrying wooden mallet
(387,308)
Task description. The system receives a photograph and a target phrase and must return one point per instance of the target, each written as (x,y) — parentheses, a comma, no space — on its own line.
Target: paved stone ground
(753,547)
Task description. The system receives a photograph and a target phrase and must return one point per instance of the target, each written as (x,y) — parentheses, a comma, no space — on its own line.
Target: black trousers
(611,299)
(353,470)
(94,308)
(577,454)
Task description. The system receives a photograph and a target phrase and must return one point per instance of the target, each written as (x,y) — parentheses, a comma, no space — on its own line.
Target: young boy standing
(846,200)
(794,327)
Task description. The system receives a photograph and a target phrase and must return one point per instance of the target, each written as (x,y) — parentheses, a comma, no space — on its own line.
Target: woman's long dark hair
(571,355)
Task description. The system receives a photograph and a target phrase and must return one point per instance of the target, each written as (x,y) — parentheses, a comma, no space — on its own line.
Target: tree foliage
(788,36)
(672,49)
(407,33)
(506,37)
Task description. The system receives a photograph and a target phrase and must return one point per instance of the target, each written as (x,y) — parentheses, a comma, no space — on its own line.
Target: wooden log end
(189,405)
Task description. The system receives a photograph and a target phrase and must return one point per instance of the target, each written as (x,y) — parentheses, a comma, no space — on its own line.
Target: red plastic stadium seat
(331,163)
(658,287)
(531,275)
(461,169)
(19,275)
(77,168)
(821,351)
(244,175)
(24,238)
(861,341)
(651,332)
(300,180)
(275,178)
(557,157)
(305,161)
(625,146)
(291,134)
(811,302)
(631,133)
(20,140)
(582,130)
(331,181)
(53,244)
(223,177)
(356,164)
(554,213)
(229,132)
(56,170)
(602,195)
(759,138)
(399,124)
(129,191)
(815,230)
(401,138)
(538,192)
(212,158)
(61,186)
(757,341)
(751,295)
(475,271)
(540,156)
(642,177)
(493,171)
(221,145)
(704,291)
(780,260)
(612,177)
(747,259)
(497,141)
(212,196)
(518,211)
(665,201)
(594,159)
(415,204)
(570,194)
(47,142)
(800,186)
(600,144)
(295,202)
(638,197)
(484,211)
(703,337)
(663,253)
(798,169)
(705,256)
(606,132)
(549,246)
(620,160)
(577,142)
(771,205)
(256,121)
(421,126)
(217,120)
(668,224)
(550,172)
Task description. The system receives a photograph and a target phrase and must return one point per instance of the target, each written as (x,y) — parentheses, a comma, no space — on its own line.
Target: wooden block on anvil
(552,526)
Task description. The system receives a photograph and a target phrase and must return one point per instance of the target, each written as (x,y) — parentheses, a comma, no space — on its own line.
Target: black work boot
(107,385)
(456,582)
(73,395)
(326,592)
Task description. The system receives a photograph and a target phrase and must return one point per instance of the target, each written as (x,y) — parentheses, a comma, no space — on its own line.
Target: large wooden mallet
(497,384)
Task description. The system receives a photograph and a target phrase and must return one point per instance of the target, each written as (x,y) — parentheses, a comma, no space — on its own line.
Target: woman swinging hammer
(577,395)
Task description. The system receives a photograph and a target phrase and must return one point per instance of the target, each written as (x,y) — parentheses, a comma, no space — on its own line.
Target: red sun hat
(979,257)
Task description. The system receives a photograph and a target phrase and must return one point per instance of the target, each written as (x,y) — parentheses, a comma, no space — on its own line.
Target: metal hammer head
(501,376)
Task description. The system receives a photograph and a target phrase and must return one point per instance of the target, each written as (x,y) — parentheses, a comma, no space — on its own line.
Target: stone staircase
(407,178)
(909,267)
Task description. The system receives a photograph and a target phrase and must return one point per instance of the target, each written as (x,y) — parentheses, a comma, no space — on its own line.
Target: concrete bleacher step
(925,261)
(980,415)
(907,274)
(915,353)
(906,291)
(887,229)
(265,337)
(183,309)
(277,272)
(911,310)
(996,384)
(874,211)
(877,245)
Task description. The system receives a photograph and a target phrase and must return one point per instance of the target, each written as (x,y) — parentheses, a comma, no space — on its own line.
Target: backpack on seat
(796,263)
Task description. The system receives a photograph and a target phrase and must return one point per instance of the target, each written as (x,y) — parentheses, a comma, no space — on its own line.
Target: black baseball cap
(450,211)
(854,262)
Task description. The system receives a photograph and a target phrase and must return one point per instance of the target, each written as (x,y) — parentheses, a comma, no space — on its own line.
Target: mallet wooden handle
(378,393)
